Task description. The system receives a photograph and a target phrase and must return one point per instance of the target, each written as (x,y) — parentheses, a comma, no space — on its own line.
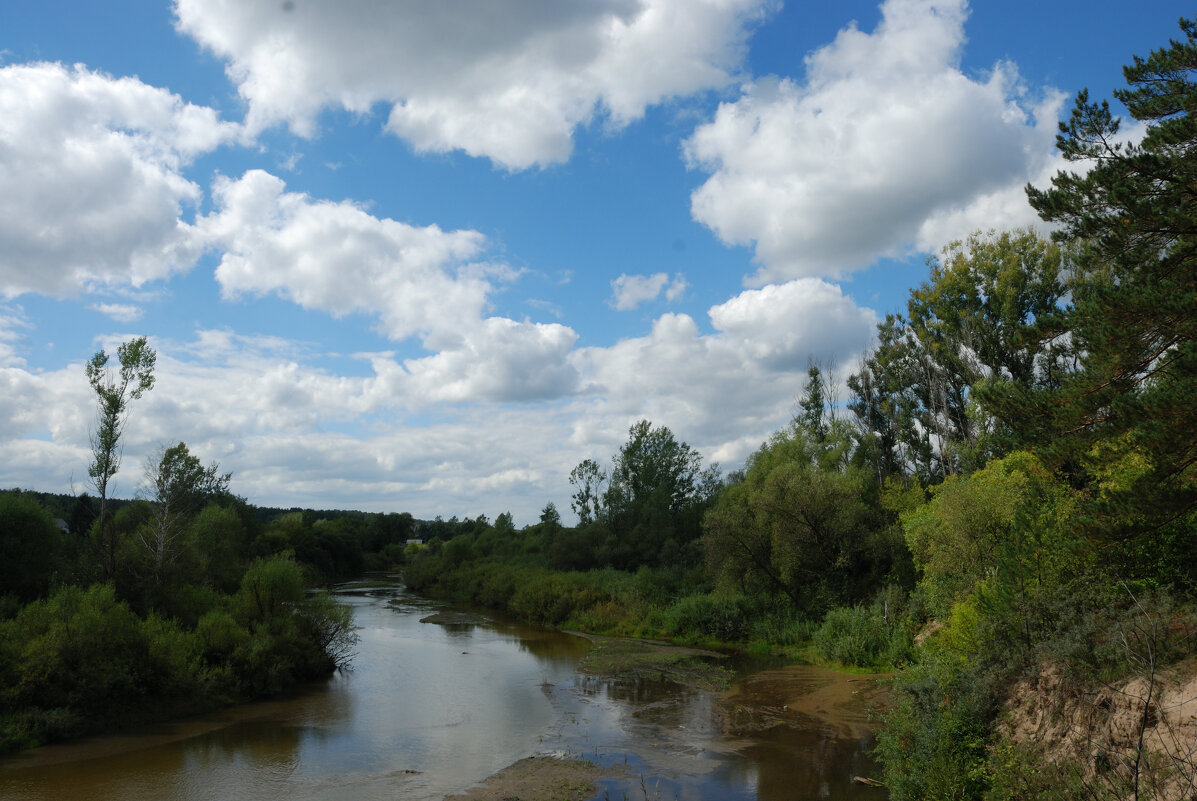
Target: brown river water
(431,709)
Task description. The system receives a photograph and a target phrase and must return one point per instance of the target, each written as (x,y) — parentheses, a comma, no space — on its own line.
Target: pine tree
(1125,422)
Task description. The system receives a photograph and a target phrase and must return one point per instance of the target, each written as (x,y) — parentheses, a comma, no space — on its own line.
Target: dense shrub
(721,617)
(82,657)
(853,635)
(553,597)
(936,738)
(85,654)
(33,548)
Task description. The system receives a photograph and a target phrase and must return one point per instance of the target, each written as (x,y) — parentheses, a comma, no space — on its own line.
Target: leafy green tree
(33,548)
(651,508)
(114,390)
(83,514)
(179,486)
(657,491)
(990,314)
(588,480)
(993,307)
(1127,417)
(388,529)
(1004,525)
(814,403)
(332,627)
(892,401)
(652,469)
(883,409)
(269,588)
(85,651)
(550,518)
(505,524)
(804,522)
(218,537)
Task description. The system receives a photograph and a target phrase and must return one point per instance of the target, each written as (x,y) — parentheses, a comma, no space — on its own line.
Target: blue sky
(427,257)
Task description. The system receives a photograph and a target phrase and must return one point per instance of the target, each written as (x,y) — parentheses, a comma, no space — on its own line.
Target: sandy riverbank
(537,777)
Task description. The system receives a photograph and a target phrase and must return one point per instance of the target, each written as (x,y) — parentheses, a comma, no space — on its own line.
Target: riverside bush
(552,597)
(721,617)
(936,738)
(853,635)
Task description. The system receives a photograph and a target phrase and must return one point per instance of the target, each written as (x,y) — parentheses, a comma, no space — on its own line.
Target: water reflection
(432,708)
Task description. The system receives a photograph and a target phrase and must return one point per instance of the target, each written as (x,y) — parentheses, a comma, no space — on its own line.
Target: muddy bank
(840,705)
(647,714)
(843,705)
(623,658)
(537,777)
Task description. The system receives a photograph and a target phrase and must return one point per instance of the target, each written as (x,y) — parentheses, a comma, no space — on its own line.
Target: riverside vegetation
(180,601)
(1002,511)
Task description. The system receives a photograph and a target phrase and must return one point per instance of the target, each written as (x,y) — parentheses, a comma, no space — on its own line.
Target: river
(431,709)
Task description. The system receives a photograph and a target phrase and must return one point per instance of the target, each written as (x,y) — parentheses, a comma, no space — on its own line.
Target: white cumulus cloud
(13,324)
(417,281)
(507,80)
(629,291)
(783,326)
(91,188)
(121,312)
(501,361)
(337,258)
(884,145)
(727,390)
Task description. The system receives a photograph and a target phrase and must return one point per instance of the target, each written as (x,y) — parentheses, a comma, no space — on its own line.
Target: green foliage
(458,550)
(197,629)
(218,537)
(582,548)
(588,480)
(1126,417)
(550,518)
(132,379)
(649,508)
(219,636)
(331,626)
(935,740)
(269,589)
(35,550)
(551,598)
(804,522)
(179,487)
(723,618)
(853,635)
(813,404)
(1008,519)
(82,655)
(990,314)
(1026,559)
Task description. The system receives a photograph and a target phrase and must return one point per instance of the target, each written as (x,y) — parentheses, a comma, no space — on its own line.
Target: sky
(428,256)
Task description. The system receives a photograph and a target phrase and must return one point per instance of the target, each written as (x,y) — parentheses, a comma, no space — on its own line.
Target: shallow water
(430,709)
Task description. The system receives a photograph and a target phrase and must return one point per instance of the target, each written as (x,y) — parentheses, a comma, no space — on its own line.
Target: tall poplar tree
(114,389)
